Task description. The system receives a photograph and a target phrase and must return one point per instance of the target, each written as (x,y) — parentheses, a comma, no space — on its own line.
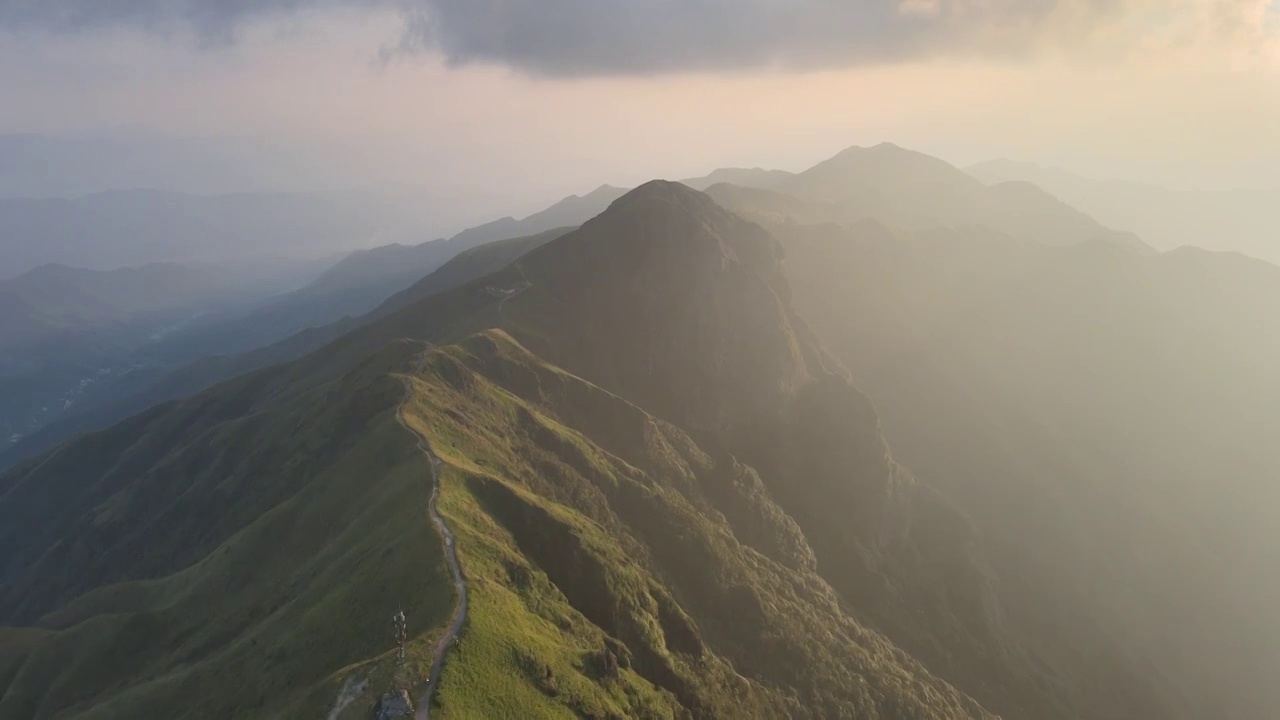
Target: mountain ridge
(666,623)
(1069,424)
(676,499)
(1237,220)
(878,569)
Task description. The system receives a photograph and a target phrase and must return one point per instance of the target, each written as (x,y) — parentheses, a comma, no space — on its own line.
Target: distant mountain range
(354,286)
(878,182)
(873,440)
(610,517)
(187,361)
(1104,415)
(911,191)
(121,228)
(66,333)
(745,177)
(1246,221)
(55,298)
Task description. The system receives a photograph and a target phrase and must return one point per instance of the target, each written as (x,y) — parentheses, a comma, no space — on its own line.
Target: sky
(546,97)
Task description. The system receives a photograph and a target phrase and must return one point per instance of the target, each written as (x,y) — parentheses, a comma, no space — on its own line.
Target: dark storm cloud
(576,37)
(567,37)
(207,18)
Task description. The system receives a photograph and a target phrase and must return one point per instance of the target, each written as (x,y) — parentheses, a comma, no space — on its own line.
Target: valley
(704,455)
(638,360)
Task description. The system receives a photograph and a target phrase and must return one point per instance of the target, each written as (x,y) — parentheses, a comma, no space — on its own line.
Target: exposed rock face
(394,705)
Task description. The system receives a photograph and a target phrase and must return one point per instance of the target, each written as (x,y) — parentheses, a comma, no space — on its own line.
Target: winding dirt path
(450,547)
(451,554)
(502,314)
(459,583)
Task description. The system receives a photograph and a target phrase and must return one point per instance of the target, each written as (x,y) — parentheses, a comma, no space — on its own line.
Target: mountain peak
(660,187)
(887,152)
(663,197)
(657,188)
(604,189)
(882,169)
(883,148)
(666,217)
(665,288)
(888,147)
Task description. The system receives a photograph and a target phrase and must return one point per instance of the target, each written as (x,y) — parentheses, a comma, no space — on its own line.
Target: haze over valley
(443,359)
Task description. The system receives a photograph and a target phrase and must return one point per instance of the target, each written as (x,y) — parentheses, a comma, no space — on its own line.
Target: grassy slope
(562,540)
(576,508)
(570,550)
(272,618)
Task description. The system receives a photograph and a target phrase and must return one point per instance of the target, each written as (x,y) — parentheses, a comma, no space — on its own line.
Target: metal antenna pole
(402,635)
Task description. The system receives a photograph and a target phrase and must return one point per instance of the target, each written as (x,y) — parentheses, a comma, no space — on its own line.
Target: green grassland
(616,569)
(277,612)
(570,551)
(239,554)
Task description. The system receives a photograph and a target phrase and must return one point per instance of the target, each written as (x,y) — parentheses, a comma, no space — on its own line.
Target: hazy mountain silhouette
(912,191)
(55,298)
(1246,221)
(573,210)
(665,441)
(742,177)
(106,403)
(226,337)
(64,331)
(119,228)
(362,280)
(1104,416)
(585,523)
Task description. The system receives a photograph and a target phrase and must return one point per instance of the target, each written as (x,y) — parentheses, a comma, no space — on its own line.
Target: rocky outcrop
(393,705)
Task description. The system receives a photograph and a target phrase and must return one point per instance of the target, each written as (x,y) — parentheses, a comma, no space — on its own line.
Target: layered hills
(213,339)
(140,389)
(622,560)
(664,453)
(100,347)
(887,182)
(1243,221)
(49,303)
(1104,416)
(64,329)
(911,191)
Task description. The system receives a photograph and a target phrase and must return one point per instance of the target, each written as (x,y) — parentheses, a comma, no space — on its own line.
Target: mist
(436,358)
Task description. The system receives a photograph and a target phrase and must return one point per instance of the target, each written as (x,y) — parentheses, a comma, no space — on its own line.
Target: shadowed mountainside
(143,389)
(590,524)
(911,191)
(1107,417)
(1246,221)
(671,500)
